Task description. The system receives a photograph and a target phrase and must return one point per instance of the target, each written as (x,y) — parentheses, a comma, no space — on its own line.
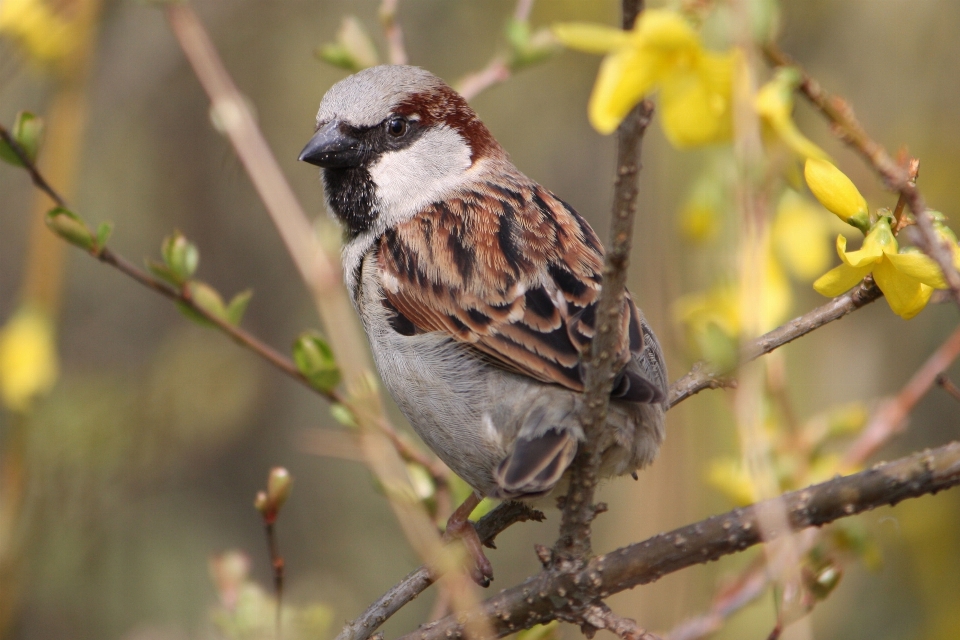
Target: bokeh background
(144,459)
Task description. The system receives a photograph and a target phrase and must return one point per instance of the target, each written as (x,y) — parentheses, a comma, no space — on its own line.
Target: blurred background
(143,460)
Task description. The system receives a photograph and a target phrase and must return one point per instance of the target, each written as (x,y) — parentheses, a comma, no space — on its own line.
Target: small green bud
(71,228)
(238,306)
(104,231)
(314,358)
(343,415)
(279,485)
(180,255)
(27,131)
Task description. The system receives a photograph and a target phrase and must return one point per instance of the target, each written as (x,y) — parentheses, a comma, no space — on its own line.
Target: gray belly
(469,412)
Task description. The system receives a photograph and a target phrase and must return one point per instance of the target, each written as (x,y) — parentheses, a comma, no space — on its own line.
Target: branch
(896,176)
(397,53)
(554,594)
(890,418)
(598,369)
(498,69)
(702,377)
(124,266)
(416,582)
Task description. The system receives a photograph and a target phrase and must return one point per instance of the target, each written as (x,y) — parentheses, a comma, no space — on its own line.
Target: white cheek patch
(433,168)
(429,170)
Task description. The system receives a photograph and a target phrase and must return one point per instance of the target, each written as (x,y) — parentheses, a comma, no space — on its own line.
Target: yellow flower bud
(837,193)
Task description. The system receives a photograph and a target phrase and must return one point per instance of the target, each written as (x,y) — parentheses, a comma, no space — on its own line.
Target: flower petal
(834,189)
(625,77)
(869,253)
(774,103)
(591,38)
(696,103)
(905,295)
(665,30)
(920,267)
(840,279)
(798,234)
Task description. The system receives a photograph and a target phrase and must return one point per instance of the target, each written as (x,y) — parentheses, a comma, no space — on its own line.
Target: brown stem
(415,583)
(891,416)
(948,386)
(598,369)
(702,377)
(553,594)
(396,52)
(896,176)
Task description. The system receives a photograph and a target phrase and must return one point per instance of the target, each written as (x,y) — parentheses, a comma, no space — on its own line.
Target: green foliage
(352,49)
(27,131)
(528,47)
(71,227)
(180,260)
(208,299)
(314,358)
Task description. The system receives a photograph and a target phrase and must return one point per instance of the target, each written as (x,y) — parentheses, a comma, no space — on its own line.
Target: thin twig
(896,176)
(598,369)
(900,220)
(890,418)
(599,616)
(498,69)
(702,377)
(396,52)
(887,422)
(38,180)
(948,386)
(416,582)
(548,595)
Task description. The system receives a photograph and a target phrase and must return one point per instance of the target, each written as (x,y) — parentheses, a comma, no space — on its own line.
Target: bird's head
(391,140)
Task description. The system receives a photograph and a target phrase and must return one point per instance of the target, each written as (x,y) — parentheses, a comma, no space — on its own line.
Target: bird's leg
(459,526)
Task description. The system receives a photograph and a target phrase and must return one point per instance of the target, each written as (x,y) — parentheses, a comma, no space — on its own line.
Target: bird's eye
(397,127)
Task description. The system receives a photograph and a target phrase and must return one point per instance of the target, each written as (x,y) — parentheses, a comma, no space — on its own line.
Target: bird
(477,289)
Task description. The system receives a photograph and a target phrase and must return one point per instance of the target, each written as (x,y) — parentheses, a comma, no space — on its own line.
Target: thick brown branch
(896,176)
(578,509)
(416,582)
(551,594)
(702,377)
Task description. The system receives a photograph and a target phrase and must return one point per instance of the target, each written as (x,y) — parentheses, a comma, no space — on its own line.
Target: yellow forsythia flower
(836,192)
(906,277)
(661,51)
(28,358)
(774,104)
(46,36)
(799,235)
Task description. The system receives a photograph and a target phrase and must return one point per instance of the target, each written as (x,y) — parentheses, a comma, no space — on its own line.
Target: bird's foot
(460,526)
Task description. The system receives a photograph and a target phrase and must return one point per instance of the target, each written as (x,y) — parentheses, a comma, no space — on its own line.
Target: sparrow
(477,288)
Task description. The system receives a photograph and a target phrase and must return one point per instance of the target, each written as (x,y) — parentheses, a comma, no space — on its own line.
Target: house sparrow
(477,288)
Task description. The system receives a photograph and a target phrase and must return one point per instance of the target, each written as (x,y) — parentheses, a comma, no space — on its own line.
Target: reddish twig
(396,51)
(890,418)
(498,69)
(948,386)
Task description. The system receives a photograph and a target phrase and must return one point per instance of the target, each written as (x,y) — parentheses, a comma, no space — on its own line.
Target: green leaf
(314,359)
(205,297)
(526,47)
(352,50)
(343,415)
(27,130)
(104,231)
(180,255)
(163,272)
(70,227)
(238,306)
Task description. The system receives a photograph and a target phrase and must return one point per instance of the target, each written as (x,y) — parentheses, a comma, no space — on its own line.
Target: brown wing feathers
(517,278)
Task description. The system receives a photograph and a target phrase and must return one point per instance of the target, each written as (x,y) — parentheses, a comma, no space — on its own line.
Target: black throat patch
(351,194)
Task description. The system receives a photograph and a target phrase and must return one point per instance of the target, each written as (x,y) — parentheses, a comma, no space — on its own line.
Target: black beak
(331,147)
